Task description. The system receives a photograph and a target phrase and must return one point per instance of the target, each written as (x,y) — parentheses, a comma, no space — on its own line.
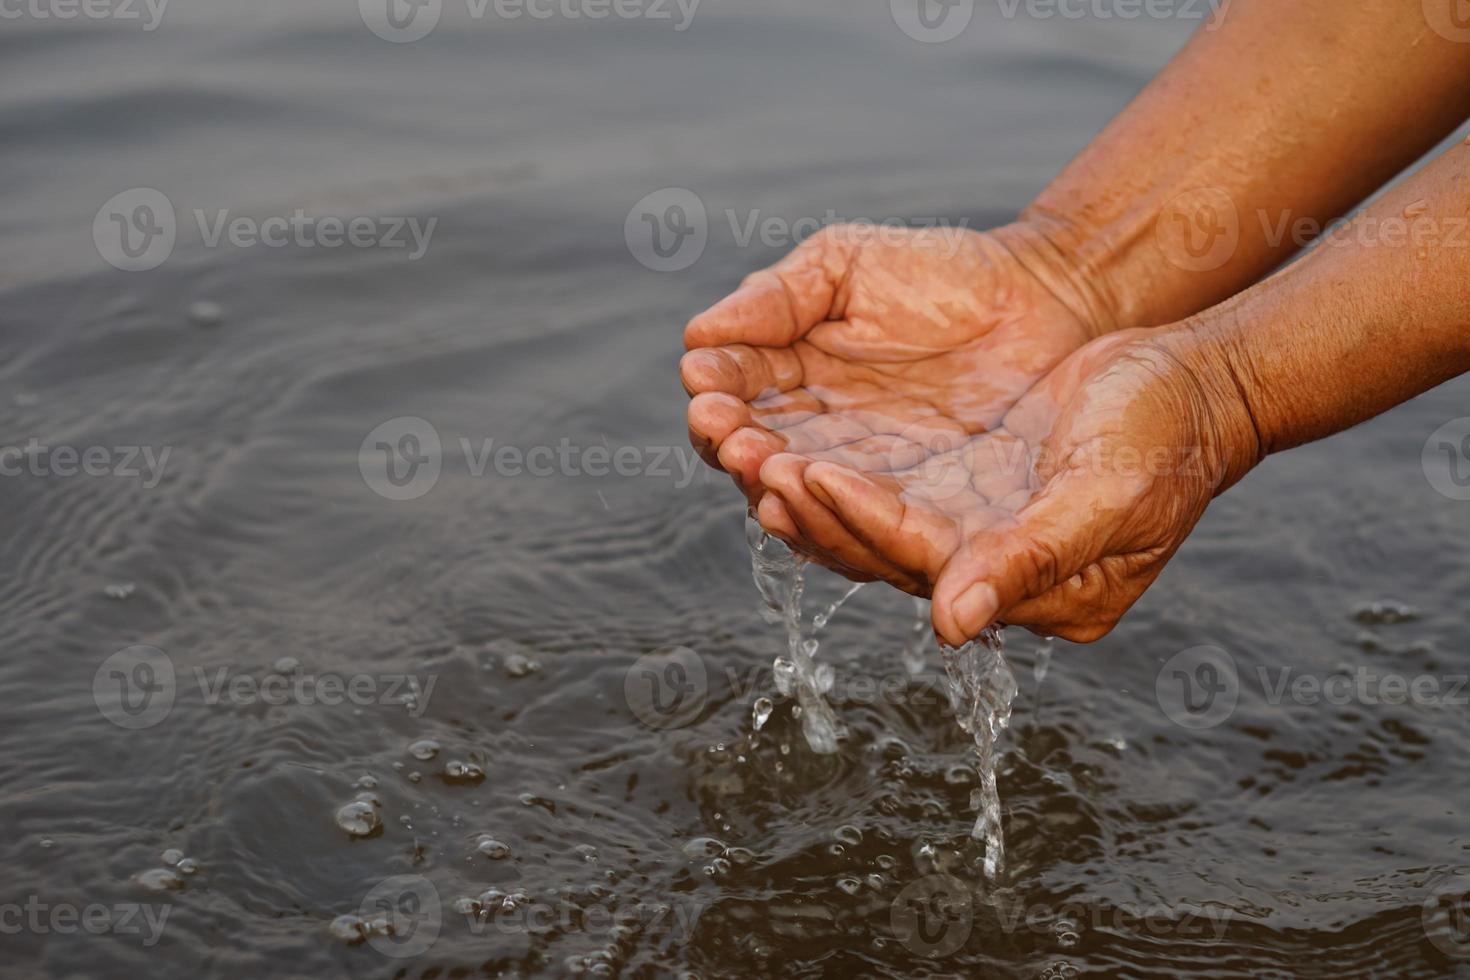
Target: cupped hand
(874,348)
(1060,517)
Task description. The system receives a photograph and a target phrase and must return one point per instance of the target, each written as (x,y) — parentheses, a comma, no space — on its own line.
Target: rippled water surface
(542,758)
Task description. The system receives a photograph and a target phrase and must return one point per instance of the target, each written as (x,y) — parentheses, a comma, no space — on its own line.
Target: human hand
(1061,517)
(860,334)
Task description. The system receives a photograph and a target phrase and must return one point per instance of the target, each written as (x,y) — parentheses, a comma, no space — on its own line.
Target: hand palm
(878,355)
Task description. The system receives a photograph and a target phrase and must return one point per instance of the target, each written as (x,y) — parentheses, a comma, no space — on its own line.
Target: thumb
(1055,536)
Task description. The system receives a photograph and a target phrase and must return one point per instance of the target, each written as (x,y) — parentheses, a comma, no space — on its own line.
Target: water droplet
(587,852)
(519,665)
(704,847)
(172,856)
(119,590)
(359,818)
(47,843)
(188,866)
(462,772)
(493,849)
(424,749)
(760,712)
(286,666)
(161,880)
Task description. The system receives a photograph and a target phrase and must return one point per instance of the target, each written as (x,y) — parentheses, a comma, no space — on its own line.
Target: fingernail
(976,608)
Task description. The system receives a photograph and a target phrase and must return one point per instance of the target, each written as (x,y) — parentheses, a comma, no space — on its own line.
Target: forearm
(1281,111)
(1379,312)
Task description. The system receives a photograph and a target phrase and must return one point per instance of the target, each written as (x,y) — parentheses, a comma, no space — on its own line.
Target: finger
(713,417)
(742,454)
(1055,536)
(774,307)
(743,371)
(914,539)
(782,475)
(776,519)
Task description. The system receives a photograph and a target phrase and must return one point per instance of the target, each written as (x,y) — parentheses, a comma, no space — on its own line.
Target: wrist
(1049,249)
(1232,440)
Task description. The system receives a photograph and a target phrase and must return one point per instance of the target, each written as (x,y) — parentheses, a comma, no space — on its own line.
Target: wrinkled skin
(936,422)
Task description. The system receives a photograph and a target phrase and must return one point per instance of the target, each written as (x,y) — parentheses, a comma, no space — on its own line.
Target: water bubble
(47,843)
(886,861)
(286,665)
(1385,613)
(160,880)
(519,665)
(119,590)
(359,818)
(424,749)
(704,847)
(586,852)
(849,885)
(188,866)
(367,782)
(172,856)
(848,834)
(462,772)
(493,849)
(350,929)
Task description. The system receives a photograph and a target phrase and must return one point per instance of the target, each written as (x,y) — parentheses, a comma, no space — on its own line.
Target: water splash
(779,575)
(821,619)
(916,646)
(981,689)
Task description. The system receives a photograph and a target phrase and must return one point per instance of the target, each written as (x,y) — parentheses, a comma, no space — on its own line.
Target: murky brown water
(268,701)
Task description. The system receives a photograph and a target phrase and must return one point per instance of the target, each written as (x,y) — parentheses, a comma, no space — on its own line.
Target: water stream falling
(980,684)
(981,689)
(778,575)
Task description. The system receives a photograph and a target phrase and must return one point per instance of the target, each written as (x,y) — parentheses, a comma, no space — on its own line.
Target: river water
(393,630)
